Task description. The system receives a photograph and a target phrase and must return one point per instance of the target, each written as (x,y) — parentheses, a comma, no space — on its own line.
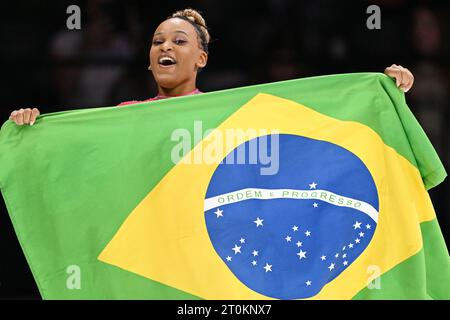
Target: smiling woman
(179,50)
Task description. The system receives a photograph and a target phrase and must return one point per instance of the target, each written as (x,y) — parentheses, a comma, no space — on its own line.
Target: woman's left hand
(403,77)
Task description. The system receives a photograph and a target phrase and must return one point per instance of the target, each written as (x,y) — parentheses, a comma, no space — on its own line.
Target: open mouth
(166,61)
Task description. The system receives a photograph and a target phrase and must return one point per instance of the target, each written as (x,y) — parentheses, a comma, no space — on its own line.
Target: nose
(166,46)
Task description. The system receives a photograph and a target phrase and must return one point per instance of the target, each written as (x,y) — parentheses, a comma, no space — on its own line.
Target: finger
(407,79)
(403,87)
(13,115)
(395,73)
(19,117)
(406,85)
(34,114)
(410,77)
(402,75)
(26,116)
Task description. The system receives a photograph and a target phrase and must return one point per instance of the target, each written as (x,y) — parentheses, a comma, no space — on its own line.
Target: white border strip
(267,194)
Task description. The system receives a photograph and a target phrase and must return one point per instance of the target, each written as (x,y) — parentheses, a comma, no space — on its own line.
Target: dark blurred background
(45,65)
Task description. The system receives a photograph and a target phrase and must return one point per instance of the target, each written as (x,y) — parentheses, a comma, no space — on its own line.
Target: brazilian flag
(304,189)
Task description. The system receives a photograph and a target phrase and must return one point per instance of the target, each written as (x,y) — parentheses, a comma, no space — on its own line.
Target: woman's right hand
(24,116)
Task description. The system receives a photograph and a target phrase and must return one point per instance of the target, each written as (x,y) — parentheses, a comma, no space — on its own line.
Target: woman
(179,50)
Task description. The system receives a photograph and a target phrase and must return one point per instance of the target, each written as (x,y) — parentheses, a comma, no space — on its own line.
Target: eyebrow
(176,31)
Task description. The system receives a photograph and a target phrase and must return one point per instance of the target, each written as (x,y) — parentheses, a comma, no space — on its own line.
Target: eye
(157,42)
(180,41)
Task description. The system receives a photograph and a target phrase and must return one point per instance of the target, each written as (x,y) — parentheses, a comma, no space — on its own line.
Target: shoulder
(128,102)
(134,101)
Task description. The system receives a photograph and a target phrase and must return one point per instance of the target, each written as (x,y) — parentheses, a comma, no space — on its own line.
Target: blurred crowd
(45,65)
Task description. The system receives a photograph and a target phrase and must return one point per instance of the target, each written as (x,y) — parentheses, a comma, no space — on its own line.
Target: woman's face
(175,54)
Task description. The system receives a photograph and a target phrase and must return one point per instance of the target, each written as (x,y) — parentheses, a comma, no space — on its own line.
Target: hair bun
(195,17)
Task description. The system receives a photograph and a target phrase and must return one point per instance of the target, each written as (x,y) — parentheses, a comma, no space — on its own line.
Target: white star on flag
(315,205)
(308,233)
(299,244)
(361,234)
(356,240)
(350,245)
(336,255)
(308,283)
(368,226)
(357,225)
(228,258)
(345,263)
(295,228)
(259,222)
(254,263)
(268,267)
(255,253)
(236,249)
(344,255)
(288,239)
(312,185)
(323,258)
(331,267)
(218,213)
(242,240)
(302,254)
(343,249)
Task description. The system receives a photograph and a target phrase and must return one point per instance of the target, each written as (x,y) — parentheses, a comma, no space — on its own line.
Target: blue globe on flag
(288,234)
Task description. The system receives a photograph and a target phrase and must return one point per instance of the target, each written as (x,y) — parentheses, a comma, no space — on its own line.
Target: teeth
(164,59)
